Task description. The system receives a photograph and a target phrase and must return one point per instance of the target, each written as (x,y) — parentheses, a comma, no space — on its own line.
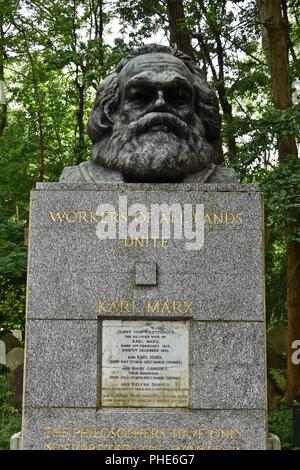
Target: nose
(160,103)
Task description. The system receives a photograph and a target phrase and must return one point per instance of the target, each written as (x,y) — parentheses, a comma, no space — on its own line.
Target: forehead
(155,67)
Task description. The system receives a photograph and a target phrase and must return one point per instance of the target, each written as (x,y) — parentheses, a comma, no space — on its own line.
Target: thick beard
(167,153)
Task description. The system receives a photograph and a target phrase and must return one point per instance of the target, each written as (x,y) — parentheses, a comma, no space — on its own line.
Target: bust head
(154,118)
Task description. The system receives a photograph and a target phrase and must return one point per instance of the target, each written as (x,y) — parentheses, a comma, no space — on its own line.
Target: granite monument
(145,308)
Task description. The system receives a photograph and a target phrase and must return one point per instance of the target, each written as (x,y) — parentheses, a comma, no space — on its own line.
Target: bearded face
(156,135)
(156,147)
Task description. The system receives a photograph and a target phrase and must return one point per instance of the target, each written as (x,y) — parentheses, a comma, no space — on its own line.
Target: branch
(286,19)
(15,71)
(241,107)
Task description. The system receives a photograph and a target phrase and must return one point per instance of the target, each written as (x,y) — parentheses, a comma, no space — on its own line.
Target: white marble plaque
(145,363)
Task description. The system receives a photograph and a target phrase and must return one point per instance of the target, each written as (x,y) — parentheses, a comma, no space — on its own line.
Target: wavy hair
(101,119)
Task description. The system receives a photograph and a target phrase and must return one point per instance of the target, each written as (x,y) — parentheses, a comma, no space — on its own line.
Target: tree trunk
(219,78)
(228,117)
(218,150)
(293,299)
(181,38)
(79,157)
(179,34)
(99,30)
(275,43)
(80,86)
(3,106)
(226,106)
(38,100)
(286,19)
(97,20)
(218,153)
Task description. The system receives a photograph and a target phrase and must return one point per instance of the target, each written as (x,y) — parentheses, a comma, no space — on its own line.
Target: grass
(10,418)
(281,423)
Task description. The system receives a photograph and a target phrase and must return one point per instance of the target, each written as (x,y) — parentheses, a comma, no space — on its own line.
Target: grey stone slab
(230,386)
(81,250)
(228,362)
(223,360)
(216,205)
(75,277)
(61,384)
(56,384)
(61,365)
(215,296)
(209,187)
(227,343)
(113,429)
(223,210)
(57,341)
(145,274)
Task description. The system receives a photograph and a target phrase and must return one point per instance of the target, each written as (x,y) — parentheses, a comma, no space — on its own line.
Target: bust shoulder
(222,174)
(88,172)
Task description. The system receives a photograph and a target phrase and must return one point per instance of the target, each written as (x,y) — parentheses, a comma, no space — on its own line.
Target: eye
(140,95)
(178,96)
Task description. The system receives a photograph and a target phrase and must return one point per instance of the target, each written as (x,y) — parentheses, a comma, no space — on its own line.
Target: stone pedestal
(16,442)
(144,343)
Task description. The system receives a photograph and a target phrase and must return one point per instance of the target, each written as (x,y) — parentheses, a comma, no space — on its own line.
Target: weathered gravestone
(145,316)
(2,353)
(15,358)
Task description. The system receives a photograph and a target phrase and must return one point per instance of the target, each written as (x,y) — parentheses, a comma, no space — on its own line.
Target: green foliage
(282,211)
(262,125)
(10,418)
(275,272)
(17,158)
(143,17)
(13,254)
(281,424)
(281,187)
(278,379)
(12,303)
(282,195)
